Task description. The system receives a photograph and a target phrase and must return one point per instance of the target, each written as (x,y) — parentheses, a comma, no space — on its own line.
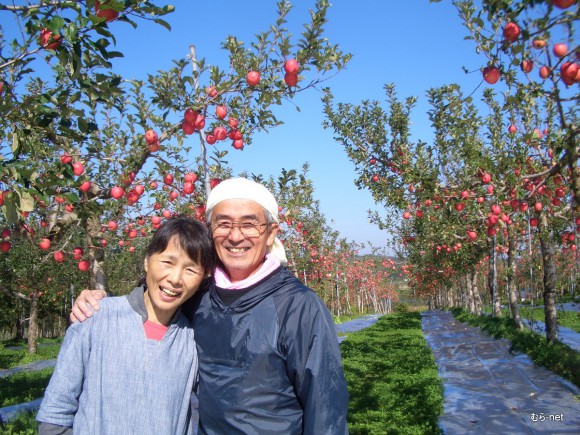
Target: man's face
(241,255)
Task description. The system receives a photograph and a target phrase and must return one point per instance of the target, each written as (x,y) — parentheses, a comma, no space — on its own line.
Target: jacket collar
(136,300)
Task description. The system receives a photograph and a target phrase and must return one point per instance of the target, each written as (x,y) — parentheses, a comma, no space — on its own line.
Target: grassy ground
(559,358)
(392,378)
(24,424)
(568,319)
(23,387)
(47,349)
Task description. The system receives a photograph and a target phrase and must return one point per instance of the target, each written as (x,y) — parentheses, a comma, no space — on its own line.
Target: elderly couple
(265,358)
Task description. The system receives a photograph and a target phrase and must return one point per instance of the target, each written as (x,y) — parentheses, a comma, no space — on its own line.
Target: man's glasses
(248,229)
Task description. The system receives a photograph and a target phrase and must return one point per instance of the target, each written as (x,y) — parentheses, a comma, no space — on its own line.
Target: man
(269,355)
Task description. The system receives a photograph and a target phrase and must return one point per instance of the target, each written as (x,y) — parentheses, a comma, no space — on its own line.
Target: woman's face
(172,278)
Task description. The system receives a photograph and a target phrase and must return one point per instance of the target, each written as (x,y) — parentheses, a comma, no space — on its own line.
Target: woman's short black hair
(192,236)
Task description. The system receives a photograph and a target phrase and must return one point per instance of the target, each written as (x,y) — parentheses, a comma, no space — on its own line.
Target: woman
(133,366)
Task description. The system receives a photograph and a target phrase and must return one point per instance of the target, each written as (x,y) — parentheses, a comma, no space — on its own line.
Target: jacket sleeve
(61,398)
(314,365)
(53,429)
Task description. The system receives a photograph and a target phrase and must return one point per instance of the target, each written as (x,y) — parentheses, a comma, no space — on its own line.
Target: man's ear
(146,264)
(274,228)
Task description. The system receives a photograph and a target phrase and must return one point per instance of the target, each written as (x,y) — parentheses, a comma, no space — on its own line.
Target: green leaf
(163,23)
(15,143)
(83,125)
(26,200)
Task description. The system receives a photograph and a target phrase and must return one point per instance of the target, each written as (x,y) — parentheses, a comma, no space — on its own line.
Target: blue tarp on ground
(489,389)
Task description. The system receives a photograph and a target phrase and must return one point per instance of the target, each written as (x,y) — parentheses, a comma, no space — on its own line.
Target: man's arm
(86,302)
(315,367)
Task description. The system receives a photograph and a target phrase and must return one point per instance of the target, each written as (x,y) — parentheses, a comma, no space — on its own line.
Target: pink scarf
(223,281)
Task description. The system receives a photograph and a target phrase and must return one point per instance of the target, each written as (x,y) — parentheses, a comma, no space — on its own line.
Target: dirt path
(490,390)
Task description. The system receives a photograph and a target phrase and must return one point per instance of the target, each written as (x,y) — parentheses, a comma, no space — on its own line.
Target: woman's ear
(146,264)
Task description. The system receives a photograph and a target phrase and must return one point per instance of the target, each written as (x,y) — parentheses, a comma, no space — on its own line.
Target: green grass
(568,319)
(559,358)
(392,378)
(24,386)
(13,358)
(23,424)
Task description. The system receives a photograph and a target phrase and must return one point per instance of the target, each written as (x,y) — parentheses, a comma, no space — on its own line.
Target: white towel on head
(242,188)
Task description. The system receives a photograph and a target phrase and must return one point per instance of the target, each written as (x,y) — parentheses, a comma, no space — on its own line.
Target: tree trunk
(97,280)
(511,279)
(476,295)
(549,265)
(492,281)
(469,293)
(33,324)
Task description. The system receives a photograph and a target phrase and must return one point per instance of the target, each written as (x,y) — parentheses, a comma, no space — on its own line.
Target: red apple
(5,233)
(191,177)
(78,253)
(560,49)
(534,222)
(233,122)
(85,187)
(563,4)
(190,116)
(253,78)
(112,225)
(5,246)
(117,192)
(139,189)
(44,244)
(220,133)
(238,144)
(406,215)
(58,256)
(49,40)
(527,65)
(84,265)
(471,234)
(166,214)
(199,122)
(568,72)
(538,206)
(211,91)
(375,178)
(538,43)
(65,158)
(291,66)
(102,11)
(187,127)
(512,128)
(214,182)
(168,179)
(511,32)
(491,74)
(291,79)
(221,112)
(78,168)
(545,72)
(188,188)
(155,220)
(151,137)
(486,178)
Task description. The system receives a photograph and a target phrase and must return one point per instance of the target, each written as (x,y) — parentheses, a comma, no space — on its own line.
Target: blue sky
(415,44)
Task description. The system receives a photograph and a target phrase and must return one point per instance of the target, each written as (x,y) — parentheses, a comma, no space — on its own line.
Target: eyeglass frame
(239,225)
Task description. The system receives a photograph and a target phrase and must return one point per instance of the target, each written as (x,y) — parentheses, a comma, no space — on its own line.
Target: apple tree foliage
(86,153)
(469,195)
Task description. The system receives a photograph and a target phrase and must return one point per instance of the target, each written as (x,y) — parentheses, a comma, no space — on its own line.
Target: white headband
(242,188)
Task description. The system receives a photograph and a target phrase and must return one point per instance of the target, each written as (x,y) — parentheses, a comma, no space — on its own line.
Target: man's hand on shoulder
(86,302)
